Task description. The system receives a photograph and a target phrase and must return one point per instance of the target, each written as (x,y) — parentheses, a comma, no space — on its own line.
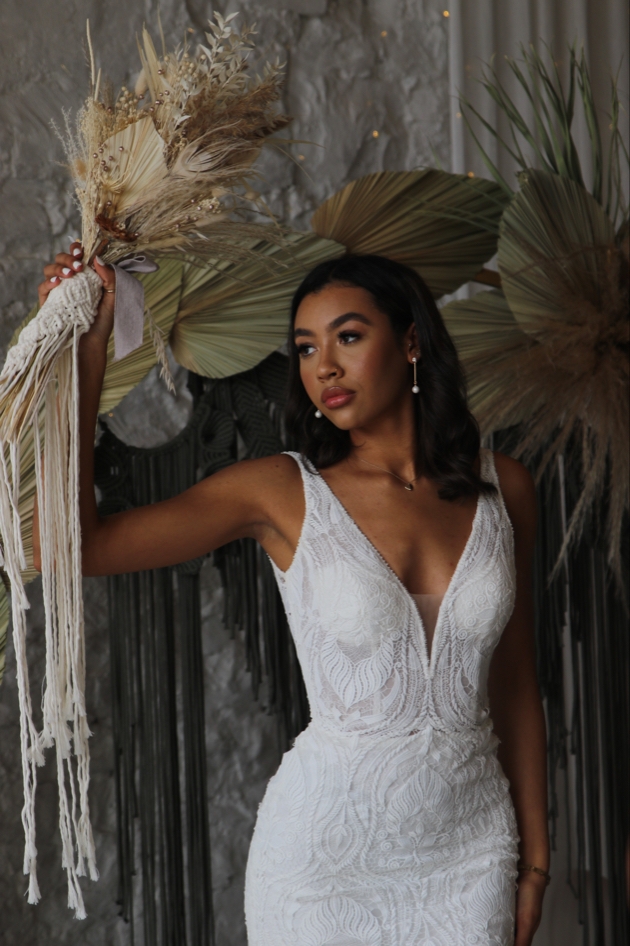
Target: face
(353,367)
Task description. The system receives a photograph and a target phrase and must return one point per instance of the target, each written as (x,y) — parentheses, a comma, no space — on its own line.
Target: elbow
(89,567)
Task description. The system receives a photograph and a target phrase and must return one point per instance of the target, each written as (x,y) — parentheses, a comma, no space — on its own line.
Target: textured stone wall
(354,67)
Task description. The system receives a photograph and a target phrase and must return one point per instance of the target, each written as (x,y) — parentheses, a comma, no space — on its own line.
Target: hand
(66,266)
(529,898)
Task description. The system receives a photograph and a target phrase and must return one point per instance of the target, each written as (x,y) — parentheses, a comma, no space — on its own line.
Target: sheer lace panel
(428,607)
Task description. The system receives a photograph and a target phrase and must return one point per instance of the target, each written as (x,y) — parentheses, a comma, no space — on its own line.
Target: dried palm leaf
(162,176)
(555,356)
(235,319)
(443,225)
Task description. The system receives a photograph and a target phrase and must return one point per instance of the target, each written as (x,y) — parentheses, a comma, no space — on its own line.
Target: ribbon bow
(129,307)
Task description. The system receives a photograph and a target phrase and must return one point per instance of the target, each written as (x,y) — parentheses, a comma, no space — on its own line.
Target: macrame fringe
(41,371)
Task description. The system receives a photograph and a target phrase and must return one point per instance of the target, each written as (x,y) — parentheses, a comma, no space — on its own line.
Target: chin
(346,419)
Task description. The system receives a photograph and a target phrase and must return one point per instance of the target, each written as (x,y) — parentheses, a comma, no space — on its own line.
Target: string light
(374,134)
(446,13)
(383,33)
(471,174)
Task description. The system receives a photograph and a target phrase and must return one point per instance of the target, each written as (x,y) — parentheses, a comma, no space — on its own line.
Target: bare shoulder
(276,473)
(519,493)
(268,490)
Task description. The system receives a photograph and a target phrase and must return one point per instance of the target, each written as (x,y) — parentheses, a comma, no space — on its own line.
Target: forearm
(92,361)
(520,724)
(92,357)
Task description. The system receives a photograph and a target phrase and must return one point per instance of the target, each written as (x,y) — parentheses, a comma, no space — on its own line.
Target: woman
(403,554)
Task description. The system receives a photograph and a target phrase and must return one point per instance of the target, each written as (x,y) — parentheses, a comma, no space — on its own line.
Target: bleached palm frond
(186,150)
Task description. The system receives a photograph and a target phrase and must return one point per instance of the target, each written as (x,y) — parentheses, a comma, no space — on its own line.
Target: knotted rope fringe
(41,371)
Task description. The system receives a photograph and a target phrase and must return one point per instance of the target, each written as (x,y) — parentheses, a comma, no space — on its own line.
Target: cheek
(308,371)
(382,372)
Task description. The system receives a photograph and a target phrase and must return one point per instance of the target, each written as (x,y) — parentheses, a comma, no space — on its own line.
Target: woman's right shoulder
(266,493)
(268,479)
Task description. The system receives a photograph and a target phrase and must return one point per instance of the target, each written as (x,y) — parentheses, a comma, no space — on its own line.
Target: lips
(336,397)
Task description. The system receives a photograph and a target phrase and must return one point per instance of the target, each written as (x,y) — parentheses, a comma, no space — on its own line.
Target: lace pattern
(390,821)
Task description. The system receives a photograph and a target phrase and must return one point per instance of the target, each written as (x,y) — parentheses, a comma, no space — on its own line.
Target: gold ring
(110,290)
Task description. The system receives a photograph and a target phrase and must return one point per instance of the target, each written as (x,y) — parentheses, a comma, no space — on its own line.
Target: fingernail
(99,261)
(66,271)
(77,265)
(77,251)
(55,279)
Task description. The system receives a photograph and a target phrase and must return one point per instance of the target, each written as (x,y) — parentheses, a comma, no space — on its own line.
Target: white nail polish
(66,271)
(77,265)
(55,279)
(77,251)
(99,261)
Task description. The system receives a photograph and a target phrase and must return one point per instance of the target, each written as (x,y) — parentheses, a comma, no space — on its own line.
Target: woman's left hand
(529,900)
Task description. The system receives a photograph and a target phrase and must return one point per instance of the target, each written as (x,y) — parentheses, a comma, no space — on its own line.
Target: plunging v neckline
(426,653)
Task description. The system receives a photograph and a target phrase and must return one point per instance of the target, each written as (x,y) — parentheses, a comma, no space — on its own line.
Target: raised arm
(516,706)
(258,498)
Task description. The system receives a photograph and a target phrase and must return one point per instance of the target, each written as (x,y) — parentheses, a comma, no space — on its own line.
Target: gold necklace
(408,484)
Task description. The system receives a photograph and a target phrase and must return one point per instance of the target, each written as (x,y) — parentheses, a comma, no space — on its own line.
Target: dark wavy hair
(448,435)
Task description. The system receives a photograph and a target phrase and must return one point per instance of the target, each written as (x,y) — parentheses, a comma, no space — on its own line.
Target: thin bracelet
(535,870)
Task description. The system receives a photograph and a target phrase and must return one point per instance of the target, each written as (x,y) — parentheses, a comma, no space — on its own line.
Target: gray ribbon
(129,307)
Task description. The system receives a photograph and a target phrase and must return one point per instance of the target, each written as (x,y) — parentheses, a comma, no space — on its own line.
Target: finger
(107,273)
(45,288)
(76,250)
(69,262)
(62,271)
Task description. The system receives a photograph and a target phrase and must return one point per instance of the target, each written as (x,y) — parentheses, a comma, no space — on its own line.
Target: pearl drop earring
(318,414)
(415,389)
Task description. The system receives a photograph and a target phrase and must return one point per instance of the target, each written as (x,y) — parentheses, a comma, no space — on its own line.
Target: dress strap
(311,482)
(487,468)
(489,473)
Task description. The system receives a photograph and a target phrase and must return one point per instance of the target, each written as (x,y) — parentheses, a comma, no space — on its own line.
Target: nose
(327,366)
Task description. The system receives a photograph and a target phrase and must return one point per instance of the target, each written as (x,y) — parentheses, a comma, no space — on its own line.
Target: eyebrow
(336,323)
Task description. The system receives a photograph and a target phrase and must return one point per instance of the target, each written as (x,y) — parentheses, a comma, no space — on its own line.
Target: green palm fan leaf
(489,342)
(162,296)
(443,225)
(231,321)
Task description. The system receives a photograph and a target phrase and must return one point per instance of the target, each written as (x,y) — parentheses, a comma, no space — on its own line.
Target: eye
(305,349)
(348,336)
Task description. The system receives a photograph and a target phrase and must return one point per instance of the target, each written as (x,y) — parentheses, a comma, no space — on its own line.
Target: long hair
(447,434)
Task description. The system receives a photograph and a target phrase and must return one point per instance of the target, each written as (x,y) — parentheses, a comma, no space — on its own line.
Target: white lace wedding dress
(389,823)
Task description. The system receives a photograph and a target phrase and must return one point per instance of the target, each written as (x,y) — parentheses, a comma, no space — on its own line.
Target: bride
(405,814)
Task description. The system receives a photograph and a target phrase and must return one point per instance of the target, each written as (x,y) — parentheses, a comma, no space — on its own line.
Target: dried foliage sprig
(547,142)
